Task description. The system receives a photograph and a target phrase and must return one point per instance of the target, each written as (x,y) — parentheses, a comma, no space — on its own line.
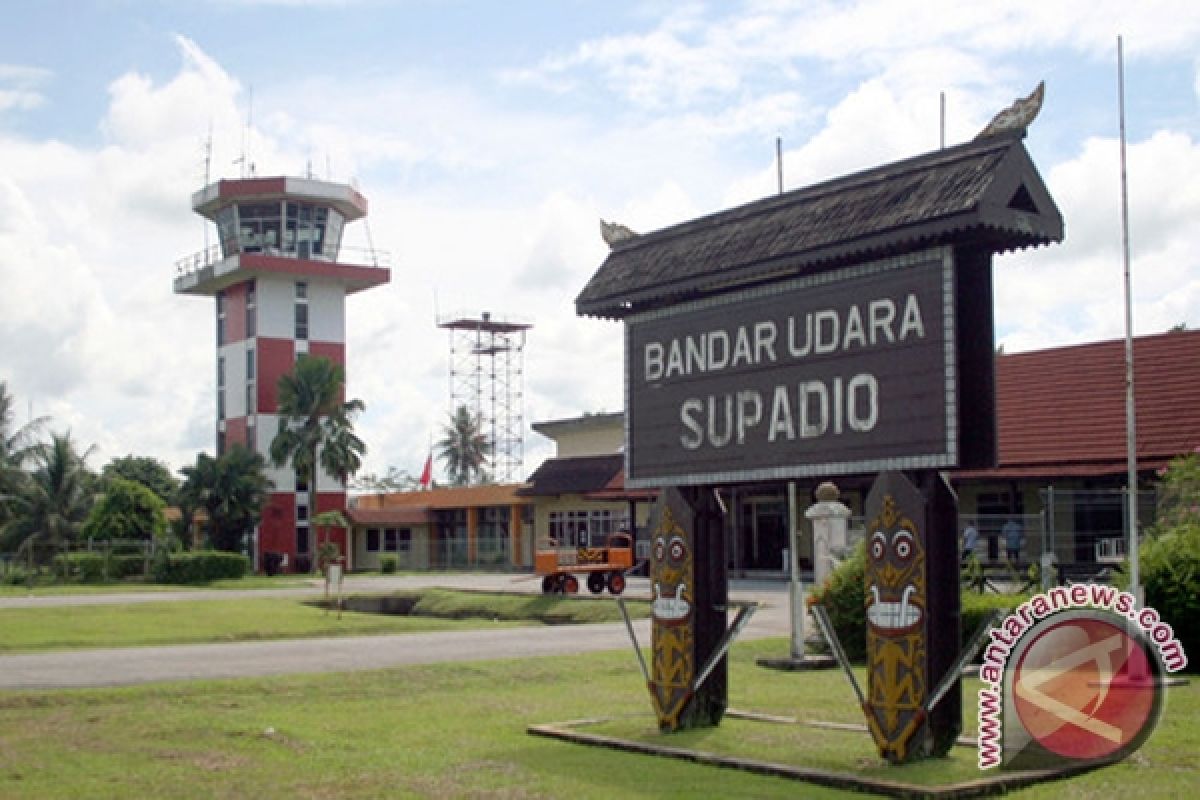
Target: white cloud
(1074,292)
(20,87)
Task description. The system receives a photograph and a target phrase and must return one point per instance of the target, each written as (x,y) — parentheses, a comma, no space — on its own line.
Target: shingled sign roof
(985,192)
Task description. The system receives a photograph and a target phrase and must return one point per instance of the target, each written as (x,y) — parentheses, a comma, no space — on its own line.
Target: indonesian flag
(427,473)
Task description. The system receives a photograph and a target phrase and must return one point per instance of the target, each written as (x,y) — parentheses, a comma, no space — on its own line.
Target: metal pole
(796,589)
(779,163)
(942,124)
(1130,411)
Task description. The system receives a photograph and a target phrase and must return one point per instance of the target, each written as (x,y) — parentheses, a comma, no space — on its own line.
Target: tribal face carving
(672,576)
(896,635)
(896,557)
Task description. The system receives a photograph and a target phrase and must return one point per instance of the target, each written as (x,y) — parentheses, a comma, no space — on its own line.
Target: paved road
(125,666)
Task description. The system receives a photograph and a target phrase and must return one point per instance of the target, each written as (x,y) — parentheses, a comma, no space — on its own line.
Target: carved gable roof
(985,193)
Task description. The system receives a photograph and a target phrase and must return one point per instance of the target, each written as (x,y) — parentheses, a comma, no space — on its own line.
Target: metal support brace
(637,649)
(954,673)
(835,644)
(745,611)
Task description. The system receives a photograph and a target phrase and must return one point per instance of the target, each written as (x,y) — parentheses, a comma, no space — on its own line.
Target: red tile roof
(446,498)
(1062,411)
(390,516)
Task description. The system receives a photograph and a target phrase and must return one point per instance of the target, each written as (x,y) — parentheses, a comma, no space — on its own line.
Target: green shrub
(978,607)
(17,576)
(83,567)
(1169,570)
(387,565)
(129,565)
(844,596)
(1169,555)
(126,510)
(200,567)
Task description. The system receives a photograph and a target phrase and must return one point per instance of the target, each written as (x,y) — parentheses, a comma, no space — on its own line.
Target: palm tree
(464,447)
(231,489)
(316,426)
(53,502)
(16,447)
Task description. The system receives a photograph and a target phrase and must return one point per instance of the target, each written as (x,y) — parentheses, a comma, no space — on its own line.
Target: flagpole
(1130,410)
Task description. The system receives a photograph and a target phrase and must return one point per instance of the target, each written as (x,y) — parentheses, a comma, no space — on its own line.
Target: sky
(490,138)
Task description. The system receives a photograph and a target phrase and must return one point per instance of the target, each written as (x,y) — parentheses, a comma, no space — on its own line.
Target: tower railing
(211,255)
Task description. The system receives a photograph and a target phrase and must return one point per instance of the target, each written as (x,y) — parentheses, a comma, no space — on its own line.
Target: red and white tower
(280,293)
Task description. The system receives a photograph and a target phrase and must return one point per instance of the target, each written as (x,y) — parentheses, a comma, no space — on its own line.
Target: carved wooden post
(687,577)
(913,634)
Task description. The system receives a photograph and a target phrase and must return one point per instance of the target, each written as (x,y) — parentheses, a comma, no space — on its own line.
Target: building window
(301,310)
(251,312)
(586,528)
(220,387)
(395,540)
(301,483)
(259,227)
(302,512)
(251,405)
(302,542)
(372,540)
(301,321)
(221,303)
(305,232)
(227,229)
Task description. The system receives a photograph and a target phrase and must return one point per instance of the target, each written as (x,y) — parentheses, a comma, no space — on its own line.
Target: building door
(763,534)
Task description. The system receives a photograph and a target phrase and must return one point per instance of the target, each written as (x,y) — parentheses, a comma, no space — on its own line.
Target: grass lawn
(261,618)
(458,730)
(248,582)
(193,622)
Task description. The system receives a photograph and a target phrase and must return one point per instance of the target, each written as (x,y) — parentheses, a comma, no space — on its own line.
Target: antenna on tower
(244,159)
(207,171)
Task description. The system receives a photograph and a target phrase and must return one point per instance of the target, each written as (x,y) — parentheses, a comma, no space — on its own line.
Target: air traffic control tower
(280,292)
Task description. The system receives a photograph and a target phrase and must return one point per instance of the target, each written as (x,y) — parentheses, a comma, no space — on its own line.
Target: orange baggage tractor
(604,567)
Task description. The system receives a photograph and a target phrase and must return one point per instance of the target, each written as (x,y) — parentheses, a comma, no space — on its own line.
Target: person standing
(1013,536)
(969,540)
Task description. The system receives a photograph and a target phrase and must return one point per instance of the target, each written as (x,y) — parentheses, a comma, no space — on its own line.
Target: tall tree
(395,480)
(149,472)
(51,505)
(232,490)
(126,510)
(16,445)
(316,426)
(464,448)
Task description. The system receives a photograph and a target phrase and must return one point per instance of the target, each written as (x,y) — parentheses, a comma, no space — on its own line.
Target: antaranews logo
(1073,675)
